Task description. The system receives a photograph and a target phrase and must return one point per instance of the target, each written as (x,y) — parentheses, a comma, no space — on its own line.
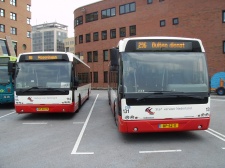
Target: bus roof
(70,55)
(122,43)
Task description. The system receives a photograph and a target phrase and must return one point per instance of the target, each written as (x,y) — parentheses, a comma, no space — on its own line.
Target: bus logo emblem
(149,111)
(29,98)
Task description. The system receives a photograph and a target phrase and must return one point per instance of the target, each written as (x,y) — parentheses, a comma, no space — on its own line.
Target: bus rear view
(159,84)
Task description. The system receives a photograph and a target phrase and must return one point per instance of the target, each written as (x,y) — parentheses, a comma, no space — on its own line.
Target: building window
(123,32)
(223,16)
(161,0)
(2,12)
(95,56)
(2,0)
(162,23)
(175,21)
(149,1)
(4,48)
(127,8)
(78,21)
(104,35)
(113,33)
(88,38)
(13,30)
(29,34)
(28,7)
(80,39)
(89,56)
(13,2)
(105,76)
(133,30)
(28,21)
(2,28)
(105,55)
(108,13)
(224,47)
(91,17)
(95,36)
(95,77)
(12,16)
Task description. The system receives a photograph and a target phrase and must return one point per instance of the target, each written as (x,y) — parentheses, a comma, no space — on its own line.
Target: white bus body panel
(164,111)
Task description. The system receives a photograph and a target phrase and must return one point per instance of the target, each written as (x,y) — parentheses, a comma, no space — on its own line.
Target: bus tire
(220,91)
(79,104)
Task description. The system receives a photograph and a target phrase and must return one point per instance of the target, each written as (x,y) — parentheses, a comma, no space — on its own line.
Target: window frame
(112,33)
(95,56)
(133,26)
(175,21)
(88,37)
(162,23)
(223,16)
(2,12)
(125,10)
(104,31)
(105,56)
(2,28)
(95,36)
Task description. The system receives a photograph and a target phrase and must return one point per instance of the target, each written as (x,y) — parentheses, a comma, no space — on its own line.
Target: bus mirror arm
(121,89)
(11,67)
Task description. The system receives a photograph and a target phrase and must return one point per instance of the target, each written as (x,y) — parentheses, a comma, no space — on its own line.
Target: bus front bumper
(166,125)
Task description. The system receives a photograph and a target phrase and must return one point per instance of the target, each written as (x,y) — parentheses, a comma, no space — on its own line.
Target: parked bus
(49,82)
(159,84)
(6,80)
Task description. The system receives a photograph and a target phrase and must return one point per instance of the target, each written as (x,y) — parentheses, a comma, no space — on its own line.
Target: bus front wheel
(220,91)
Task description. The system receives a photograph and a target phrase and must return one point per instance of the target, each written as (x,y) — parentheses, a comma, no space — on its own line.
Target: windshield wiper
(170,94)
(54,89)
(35,87)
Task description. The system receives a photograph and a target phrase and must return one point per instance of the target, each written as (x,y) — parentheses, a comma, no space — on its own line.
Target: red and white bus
(47,82)
(159,84)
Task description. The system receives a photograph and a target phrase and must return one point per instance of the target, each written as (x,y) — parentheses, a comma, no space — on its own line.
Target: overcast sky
(60,11)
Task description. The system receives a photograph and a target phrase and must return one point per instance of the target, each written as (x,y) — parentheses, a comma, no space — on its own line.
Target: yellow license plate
(42,109)
(173,125)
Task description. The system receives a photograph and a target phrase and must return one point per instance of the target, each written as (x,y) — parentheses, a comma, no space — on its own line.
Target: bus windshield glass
(164,71)
(43,75)
(4,77)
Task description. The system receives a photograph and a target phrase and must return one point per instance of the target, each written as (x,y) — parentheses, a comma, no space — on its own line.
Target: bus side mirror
(114,53)
(11,67)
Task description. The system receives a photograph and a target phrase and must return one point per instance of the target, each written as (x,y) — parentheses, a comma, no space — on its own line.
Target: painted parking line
(223,148)
(160,151)
(216,134)
(35,123)
(7,114)
(78,122)
(74,151)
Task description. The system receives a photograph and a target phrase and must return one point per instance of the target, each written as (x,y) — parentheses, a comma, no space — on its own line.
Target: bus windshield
(164,71)
(4,77)
(43,75)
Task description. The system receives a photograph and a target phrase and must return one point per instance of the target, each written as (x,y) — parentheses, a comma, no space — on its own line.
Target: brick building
(15,28)
(100,26)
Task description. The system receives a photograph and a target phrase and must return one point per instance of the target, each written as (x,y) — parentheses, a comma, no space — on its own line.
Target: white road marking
(74,151)
(78,122)
(223,148)
(216,134)
(7,115)
(35,123)
(161,151)
(218,99)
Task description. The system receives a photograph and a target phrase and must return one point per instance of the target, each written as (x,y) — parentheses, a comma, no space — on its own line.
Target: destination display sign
(44,57)
(164,45)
